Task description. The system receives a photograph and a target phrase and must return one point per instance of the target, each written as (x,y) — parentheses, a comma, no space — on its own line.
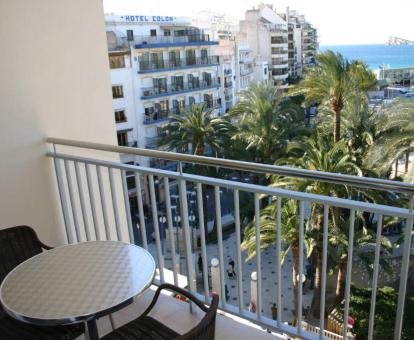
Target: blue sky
(338,22)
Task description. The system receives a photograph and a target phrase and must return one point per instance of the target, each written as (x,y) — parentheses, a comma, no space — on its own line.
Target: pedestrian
(252,307)
(230,271)
(274,311)
(200,263)
(231,263)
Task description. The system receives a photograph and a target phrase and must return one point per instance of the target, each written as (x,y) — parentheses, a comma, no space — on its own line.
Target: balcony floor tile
(175,314)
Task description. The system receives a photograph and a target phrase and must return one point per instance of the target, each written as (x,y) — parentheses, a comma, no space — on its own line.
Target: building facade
(266,33)
(160,66)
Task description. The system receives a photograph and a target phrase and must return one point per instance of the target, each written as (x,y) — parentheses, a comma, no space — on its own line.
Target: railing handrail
(336,178)
(248,187)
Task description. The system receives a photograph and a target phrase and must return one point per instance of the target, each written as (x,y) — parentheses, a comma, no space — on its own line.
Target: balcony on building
(280,29)
(228,84)
(162,65)
(154,115)
(184,87)
(187,38)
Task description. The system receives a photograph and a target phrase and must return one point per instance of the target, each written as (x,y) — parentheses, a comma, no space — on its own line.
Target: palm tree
(395,136)
(333,82)
(339,239)
(289,235)
(197,128)
(319,153)
(266,121)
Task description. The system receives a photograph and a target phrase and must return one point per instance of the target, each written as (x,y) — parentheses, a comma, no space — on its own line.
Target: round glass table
(77,283)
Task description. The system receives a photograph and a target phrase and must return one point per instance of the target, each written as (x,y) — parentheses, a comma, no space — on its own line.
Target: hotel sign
(148,18)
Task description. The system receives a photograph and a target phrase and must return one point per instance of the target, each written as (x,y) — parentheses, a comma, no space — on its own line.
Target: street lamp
(162,220)
(177,220)
(192,218)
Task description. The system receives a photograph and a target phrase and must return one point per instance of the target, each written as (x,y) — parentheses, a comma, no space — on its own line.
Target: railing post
(215,277)
(253,292)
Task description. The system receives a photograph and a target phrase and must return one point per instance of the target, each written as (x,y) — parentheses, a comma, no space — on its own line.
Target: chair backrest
(206,328)
(17,244)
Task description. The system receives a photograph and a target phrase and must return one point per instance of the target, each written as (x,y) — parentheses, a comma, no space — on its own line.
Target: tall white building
(266,33)
(160,65)
(302,42)
(241,68)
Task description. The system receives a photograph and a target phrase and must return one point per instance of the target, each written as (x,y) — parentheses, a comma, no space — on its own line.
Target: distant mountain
(399,41)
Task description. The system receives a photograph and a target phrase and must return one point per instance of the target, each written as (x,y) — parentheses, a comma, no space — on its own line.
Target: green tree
(319,153)
(363,238)
(266,121)
(395,136)
(333,82)
(267,233)
(385,313)
(197,128)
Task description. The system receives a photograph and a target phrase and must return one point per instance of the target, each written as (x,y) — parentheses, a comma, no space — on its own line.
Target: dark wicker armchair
(148,328)
(17,244)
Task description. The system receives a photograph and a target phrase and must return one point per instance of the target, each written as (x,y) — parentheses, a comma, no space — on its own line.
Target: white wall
(55,82)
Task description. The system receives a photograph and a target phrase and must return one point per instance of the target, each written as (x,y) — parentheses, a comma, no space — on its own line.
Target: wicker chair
(17,244)
(147,328)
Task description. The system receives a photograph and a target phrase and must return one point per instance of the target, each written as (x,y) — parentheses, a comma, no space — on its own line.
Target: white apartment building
(302,42)
(160,65)
(266,33)
(240,67)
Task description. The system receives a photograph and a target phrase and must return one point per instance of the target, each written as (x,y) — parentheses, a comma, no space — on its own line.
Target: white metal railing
(100,219)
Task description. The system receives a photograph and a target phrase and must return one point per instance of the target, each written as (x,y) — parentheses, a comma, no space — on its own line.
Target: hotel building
(159,66)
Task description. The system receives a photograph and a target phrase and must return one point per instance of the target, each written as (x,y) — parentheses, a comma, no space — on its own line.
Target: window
(190,57)
(265,71)
(122,138)
(207,78)
(177,83)
(278,40)
(204,56)
(174,57)
(117,91)
(116,61)
(153,33)
(157,60)
(120,116)
(160,84)
(167,33)
(130,35)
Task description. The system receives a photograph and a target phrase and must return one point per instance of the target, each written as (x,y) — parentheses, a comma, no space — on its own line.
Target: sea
(377,56)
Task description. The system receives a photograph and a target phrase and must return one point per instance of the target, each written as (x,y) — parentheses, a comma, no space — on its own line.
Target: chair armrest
(177,290)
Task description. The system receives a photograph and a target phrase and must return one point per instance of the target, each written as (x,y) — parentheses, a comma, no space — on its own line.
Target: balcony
(131,144)
(261,281)
(172,89)
(245,71)
(153,142)
(165,115)
(192,39)
(174,64)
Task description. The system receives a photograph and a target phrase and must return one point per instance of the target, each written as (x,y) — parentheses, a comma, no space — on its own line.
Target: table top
(73,283)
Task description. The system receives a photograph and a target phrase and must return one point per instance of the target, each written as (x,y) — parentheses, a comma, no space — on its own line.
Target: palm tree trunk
(340,282)
(337,123)
(407,160)
(396,168)
(316,302)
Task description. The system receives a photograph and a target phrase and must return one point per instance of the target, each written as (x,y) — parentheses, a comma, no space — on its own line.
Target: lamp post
(177,220)
(191,219)
(162,221)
